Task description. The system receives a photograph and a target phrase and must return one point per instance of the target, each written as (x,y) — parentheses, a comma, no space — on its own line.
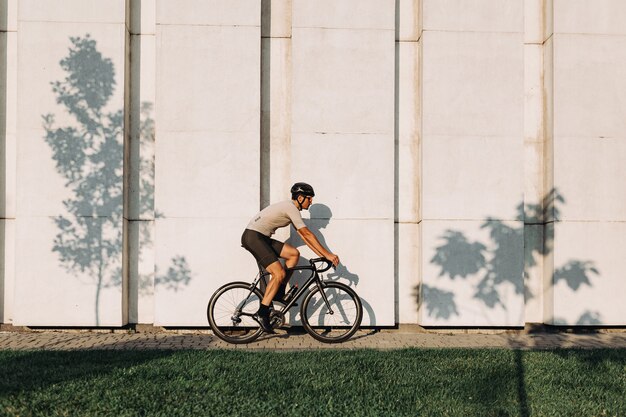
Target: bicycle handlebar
(328,264)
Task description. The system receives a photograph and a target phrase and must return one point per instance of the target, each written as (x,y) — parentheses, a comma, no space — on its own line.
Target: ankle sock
(264,310)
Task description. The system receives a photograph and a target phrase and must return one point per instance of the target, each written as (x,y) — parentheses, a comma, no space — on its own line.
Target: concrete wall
(589,60)
(207,150)
(68,238)
(467,155)
(472,156)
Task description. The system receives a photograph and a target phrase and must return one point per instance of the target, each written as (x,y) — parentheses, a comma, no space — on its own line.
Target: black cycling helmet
(302,188)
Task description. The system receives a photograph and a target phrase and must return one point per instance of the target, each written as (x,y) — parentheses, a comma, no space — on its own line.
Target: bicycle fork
(321,288)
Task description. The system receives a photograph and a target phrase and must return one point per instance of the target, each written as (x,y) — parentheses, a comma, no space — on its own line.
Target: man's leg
(278,275)
(263,315)
(291,256)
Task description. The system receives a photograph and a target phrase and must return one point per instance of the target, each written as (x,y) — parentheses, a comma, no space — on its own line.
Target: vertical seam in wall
(139,198)
(413,275)
(396,169)
(4,51)
(420,137)
(548,169)
(264,123)
(547,131)
(126,165)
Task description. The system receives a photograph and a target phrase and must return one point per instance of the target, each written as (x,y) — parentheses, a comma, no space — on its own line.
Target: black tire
(222,313)
(339,326)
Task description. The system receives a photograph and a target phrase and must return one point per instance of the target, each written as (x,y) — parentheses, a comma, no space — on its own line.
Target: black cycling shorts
(265,250)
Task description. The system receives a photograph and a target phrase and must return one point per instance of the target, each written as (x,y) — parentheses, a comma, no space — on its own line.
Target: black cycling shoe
(264,322)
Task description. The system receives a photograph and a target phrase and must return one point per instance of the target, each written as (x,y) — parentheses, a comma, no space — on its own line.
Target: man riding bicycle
(267,251)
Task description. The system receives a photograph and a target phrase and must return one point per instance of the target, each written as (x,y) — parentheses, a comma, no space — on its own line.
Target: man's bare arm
(312,242)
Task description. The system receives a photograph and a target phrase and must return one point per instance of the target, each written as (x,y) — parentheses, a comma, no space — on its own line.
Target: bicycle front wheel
(334,316)
(230,313)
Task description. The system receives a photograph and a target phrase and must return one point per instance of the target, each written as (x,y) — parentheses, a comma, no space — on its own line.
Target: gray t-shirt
(277,215)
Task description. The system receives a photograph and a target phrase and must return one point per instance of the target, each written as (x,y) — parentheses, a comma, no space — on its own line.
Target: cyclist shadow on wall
(320,219)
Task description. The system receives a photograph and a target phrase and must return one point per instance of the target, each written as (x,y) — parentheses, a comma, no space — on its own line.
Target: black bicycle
(331,311)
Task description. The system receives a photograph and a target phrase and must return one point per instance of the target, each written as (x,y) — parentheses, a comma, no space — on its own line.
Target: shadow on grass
(28,371)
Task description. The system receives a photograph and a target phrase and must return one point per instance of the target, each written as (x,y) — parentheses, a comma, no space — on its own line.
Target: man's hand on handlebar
(333,258)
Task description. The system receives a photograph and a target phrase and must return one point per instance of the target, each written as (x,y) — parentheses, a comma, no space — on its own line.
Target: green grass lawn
(366,382)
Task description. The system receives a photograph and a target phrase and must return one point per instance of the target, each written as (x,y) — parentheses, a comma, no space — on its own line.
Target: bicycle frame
(315,277)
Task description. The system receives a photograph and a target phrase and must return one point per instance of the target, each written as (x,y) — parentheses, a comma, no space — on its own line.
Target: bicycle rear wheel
(336,321)
(230,313)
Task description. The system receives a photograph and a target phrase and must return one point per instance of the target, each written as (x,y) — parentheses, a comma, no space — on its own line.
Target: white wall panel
(347,14)
(589,273)
(343,132)
(472,273)
(473,84)
(207,174)
(194,257)
(589,86)
(473,162)
(207,150)
(70,223)
(352,174)
(209,76)
(590,173)
(209,12)
(604,17)
(474,15)
(41,47)
(472,177)
(589,149)
(72,11)
(50,292)
(347,86)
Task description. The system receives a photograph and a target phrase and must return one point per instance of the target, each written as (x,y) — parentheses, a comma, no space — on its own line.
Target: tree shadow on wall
(178,273)
(498,263)
(89,154)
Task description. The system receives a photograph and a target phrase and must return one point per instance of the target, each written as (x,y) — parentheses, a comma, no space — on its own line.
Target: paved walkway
(383,339)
